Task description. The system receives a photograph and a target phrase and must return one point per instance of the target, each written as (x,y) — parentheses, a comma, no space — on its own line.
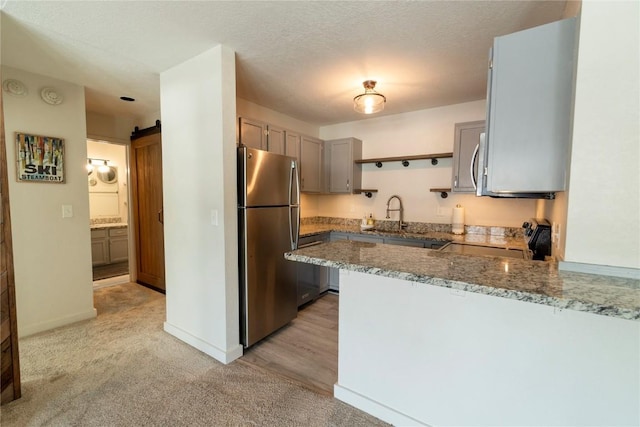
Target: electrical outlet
(443,211)
(67,211)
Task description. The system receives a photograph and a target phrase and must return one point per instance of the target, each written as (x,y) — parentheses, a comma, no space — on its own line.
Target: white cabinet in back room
(109,245)
(99,246)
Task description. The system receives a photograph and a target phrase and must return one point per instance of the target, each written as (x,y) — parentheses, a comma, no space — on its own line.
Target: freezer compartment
(266,179)
(267,281)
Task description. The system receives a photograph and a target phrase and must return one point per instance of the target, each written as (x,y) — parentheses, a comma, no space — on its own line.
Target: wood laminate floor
(306,350)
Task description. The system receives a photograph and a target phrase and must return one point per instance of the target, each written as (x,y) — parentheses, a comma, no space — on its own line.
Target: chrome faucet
(400,210)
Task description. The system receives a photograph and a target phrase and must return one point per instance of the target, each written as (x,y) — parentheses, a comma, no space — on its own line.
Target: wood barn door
(10,372)
(148,214)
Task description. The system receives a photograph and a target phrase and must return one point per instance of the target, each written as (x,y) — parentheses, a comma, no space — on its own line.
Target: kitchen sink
(470,249)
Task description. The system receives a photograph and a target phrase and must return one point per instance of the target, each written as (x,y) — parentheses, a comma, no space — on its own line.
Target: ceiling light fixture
(370,101)
(102,164)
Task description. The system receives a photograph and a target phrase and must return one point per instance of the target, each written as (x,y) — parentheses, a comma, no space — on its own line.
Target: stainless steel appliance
(268,225)
(537,234)
(312,279)
(529,108)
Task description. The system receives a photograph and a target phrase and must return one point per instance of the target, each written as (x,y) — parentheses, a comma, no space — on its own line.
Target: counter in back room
(434,338)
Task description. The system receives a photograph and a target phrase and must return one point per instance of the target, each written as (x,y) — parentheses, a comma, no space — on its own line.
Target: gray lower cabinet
(465,156)
(404,242)
(118,245)
(370,239)
(109,245)
(99,246)
(334,273)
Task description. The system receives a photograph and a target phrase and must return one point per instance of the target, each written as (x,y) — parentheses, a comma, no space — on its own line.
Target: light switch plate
(67,211)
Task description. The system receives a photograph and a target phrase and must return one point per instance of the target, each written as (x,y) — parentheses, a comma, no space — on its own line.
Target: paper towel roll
(457,223)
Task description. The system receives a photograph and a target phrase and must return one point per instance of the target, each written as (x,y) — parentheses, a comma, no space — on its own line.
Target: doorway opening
(107,182)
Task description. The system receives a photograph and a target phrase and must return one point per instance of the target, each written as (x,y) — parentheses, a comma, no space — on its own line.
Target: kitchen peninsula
(433,338)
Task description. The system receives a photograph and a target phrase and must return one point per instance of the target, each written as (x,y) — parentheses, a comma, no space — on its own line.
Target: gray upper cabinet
(292,144)
(275,139)
(342,175)
(253,133)
(465,158)
(529,111)
(310,165)
(263,136)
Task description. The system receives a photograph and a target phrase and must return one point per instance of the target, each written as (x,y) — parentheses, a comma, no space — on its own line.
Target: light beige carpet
(123,369)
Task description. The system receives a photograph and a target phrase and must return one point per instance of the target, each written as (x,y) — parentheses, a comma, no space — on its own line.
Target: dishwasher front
(313,280)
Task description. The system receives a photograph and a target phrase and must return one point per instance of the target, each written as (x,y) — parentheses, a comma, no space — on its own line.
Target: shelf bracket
(367,194)
(434,162)
(405,163)
(379,164)
(444,194)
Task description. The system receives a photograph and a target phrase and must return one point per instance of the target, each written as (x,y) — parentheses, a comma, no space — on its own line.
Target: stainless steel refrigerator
(268,225)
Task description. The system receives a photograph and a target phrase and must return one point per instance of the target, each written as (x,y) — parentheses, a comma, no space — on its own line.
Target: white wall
(603,220)
(149,120)
(254,111)
(52,255)
(199,178)
(110,128)
(117,156)
(478,360)
(418,132)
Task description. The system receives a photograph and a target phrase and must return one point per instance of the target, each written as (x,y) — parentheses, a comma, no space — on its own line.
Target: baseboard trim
(374,408)
(111,281)
(25,331)
(220,355)
(604,270)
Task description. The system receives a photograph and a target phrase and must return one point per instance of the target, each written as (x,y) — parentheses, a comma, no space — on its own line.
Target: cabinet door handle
(161,216)
(347,185)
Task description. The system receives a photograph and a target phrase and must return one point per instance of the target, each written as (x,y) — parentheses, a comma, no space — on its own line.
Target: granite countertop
(109,225)
(531,281)
(479,239)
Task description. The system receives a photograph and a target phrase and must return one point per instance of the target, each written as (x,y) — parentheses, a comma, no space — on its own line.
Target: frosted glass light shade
(370,101)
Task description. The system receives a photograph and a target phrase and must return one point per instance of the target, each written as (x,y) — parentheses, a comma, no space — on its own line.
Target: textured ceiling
(304,59)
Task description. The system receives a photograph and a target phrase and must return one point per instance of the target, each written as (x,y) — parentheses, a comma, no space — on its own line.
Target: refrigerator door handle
(480,177)
(471,167)
(294,234)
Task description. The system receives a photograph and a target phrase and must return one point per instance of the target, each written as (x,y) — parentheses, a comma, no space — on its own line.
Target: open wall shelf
(405,159)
